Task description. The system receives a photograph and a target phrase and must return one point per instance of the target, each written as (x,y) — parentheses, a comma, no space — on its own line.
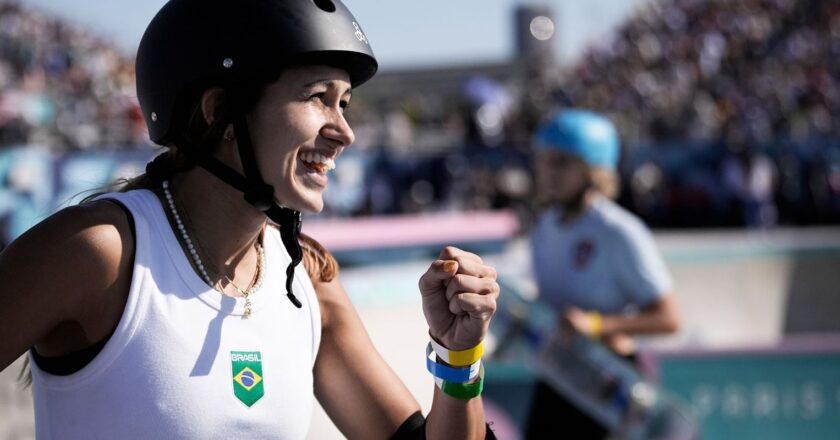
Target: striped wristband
(451,374)
(463,391)
(460,358)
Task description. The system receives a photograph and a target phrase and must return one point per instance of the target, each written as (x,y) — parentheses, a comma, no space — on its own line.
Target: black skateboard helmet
(197,43)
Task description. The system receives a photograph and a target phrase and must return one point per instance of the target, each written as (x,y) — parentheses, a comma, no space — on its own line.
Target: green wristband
(463,391)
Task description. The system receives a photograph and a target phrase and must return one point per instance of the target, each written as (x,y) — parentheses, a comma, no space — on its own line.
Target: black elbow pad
(414,428)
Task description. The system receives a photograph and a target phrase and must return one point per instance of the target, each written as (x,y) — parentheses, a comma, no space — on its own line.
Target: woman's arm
(63,284)
(459,299)
(360,392)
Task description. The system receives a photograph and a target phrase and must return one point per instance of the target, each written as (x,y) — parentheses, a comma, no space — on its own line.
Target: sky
(403,33)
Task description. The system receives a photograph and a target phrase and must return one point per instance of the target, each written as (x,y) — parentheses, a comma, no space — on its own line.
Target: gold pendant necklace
(257,284)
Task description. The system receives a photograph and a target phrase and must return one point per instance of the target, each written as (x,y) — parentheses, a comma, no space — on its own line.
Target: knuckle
(467,281)
(458,279)
(473,257)
(449,251)
(451,290)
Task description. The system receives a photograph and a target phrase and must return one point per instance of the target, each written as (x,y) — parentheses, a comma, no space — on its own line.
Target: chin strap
(261,196)
(290,223)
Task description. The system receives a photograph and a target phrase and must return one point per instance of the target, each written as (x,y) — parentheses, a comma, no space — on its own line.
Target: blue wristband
(451,374)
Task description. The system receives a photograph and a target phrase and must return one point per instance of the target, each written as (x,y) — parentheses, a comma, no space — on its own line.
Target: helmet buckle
(261,197)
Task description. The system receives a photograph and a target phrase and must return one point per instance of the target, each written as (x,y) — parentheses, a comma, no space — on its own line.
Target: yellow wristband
(596,324)
(460,358)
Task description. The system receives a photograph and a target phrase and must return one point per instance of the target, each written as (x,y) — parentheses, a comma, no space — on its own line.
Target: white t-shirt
(183,362)
(605,260)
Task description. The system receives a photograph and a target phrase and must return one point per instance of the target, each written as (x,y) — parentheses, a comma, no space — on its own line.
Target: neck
(224,225)
(573,209)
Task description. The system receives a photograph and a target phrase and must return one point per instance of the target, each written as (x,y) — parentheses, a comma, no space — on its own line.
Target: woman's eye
(319,96)
(322,96)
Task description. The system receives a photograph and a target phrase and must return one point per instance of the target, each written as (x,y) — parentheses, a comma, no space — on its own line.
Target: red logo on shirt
(583,253)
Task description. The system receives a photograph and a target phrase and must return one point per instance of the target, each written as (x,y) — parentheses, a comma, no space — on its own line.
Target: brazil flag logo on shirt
(247,376)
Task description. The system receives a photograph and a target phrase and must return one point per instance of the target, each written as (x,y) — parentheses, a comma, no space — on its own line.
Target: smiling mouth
(317,162)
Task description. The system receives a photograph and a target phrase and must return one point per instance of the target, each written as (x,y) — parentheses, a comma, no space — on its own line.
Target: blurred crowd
(685,69)
(729,109)
(729,113)
(63,87)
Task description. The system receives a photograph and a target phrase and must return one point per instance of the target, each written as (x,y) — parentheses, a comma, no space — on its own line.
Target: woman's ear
(211,101)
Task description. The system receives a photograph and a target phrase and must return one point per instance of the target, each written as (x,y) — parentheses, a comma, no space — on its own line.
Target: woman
(594,262)
(179,310)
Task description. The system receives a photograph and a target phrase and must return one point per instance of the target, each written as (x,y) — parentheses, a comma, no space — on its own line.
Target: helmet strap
(260,195)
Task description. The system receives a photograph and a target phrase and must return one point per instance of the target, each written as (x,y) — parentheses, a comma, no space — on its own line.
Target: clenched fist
(459,298)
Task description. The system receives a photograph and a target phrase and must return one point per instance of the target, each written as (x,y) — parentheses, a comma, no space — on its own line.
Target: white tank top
(183,362)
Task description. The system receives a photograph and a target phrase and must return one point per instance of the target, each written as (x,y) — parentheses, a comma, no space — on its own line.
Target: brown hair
(196,137)
(320,263)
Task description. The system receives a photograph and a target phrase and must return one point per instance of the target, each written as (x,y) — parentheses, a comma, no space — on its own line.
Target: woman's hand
(459,298)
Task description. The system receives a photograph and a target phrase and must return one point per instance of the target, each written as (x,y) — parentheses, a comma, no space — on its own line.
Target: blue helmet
(583,133)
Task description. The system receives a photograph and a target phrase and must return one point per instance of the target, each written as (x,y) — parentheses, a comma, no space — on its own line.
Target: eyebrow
(329,83)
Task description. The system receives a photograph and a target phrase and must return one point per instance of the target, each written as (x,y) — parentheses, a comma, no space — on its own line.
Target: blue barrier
(35,182)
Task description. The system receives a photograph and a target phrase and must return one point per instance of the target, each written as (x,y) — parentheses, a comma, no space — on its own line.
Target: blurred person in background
(174,308)
(750,177)
(594,262)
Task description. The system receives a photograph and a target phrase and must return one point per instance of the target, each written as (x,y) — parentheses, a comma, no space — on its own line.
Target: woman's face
(561,177)
(298,130)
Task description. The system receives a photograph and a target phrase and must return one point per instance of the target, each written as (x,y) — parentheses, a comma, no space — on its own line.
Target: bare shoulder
(88,240)
(73,267)
(336,307)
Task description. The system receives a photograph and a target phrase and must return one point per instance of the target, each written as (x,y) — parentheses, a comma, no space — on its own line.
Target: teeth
(318,158)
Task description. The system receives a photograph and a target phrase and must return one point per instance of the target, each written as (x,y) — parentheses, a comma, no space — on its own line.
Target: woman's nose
(338,130)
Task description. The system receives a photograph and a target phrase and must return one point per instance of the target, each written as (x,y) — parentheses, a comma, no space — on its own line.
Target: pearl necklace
(197,259)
